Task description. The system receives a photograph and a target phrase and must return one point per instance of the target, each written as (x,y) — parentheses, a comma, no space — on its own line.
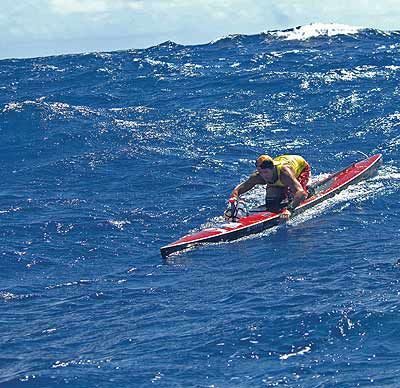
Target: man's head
(265,166)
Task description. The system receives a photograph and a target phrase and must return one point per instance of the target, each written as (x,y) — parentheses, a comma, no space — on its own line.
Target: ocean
(106,157)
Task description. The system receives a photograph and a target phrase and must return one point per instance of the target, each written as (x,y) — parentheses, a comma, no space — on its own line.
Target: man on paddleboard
(286,177)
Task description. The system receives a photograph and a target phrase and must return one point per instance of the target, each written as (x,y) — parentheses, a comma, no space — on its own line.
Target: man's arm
(288,178)
(247,185)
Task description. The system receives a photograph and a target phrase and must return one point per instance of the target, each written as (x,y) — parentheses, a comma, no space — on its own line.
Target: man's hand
(285,215)
(236,209)
(233,199)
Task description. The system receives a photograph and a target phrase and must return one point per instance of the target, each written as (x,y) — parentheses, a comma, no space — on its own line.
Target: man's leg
(304,177)
(275,198)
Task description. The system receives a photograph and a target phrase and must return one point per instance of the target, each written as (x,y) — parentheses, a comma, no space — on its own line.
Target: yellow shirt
(296,162)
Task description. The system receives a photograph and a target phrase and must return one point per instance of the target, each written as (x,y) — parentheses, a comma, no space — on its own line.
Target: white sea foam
(155,62)
(8,296)
(306,32)
(363,191)
(225,37)
(190,69)
(187,69)
(135,109)
(46,68)
(69,284)
(359,72)
(54,109)
(12,209)
(300,352)
(348,75)
(316,29)
(119,224)
(14,106)
(126,123)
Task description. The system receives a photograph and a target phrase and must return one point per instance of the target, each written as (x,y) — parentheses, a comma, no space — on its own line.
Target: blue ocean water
(106,157)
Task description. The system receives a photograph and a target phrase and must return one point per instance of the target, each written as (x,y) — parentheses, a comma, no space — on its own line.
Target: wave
(299,33)
(308,31)
(314,30)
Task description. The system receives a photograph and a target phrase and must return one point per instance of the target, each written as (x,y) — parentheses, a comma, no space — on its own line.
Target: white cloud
(79,6)
(136,5)
(66,7)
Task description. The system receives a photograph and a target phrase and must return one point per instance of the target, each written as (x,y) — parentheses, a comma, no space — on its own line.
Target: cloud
(65,7)
(78,6)
(136,5)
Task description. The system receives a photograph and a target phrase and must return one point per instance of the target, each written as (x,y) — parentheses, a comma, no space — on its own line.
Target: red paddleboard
(261,220)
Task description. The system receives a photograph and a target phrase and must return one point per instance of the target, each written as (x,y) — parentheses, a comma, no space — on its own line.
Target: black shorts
(278,202)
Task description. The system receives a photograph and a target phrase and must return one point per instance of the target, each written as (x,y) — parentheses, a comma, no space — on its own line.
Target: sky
(34,28)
